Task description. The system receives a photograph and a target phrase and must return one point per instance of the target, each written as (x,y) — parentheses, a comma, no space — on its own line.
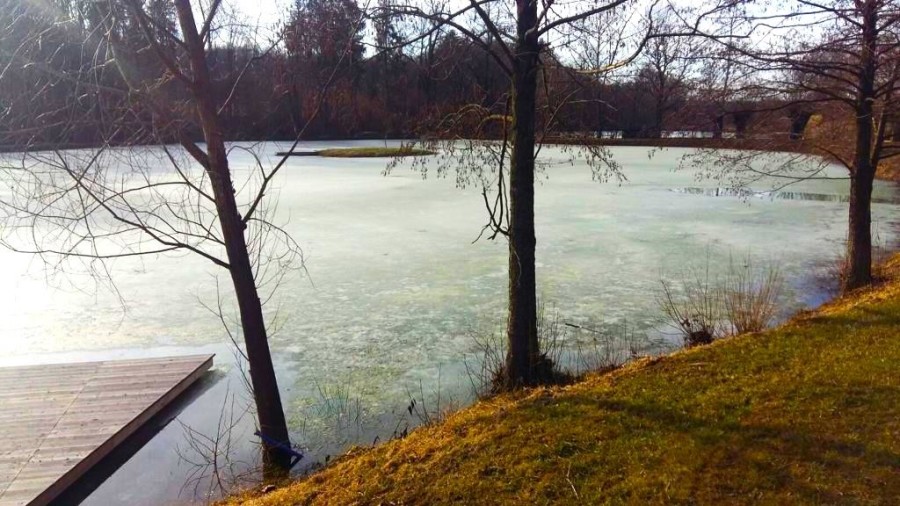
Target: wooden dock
(58,421)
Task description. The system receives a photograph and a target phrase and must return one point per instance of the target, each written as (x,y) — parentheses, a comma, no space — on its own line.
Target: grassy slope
(806,413)
(372,152)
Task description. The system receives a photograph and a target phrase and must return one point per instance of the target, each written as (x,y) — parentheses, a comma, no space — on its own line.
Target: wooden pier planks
(57,421)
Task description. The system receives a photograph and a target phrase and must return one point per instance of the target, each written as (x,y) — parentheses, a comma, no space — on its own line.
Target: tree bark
(718,126)
(741,122)
(269,410)
(523,353)
(859,244)
(859,240)
(658,120)
(799,120)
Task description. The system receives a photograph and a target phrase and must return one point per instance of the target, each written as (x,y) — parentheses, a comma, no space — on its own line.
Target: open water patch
(747,193)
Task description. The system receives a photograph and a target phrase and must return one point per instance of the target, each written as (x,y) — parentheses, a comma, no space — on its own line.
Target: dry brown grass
(803,414)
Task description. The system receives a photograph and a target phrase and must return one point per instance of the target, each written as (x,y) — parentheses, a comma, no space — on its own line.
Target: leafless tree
(521,40)
(840,59)
(720,79)
(664,69)
(137,74)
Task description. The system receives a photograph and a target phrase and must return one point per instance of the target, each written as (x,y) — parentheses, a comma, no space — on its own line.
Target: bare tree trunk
(601,123)
(659,105)
(523,353)
(718,126)
(799,120)
(658,120)
(859,243)
(262,373)
(741,122)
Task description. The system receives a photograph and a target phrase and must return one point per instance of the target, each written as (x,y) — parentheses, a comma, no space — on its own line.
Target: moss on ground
(373,152)
(806,413)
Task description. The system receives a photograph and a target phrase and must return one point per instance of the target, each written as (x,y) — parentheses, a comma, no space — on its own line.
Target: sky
(266,12)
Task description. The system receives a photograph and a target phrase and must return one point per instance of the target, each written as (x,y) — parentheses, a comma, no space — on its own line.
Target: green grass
(373,152)
(808,413)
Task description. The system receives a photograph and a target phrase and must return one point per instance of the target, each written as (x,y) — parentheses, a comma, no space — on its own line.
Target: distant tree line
(335,72)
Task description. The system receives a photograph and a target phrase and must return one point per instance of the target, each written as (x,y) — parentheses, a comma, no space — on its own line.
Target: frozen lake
(396,287)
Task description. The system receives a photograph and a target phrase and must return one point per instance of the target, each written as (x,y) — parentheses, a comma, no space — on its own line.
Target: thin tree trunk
(600,113)
(859,243)
(272,422)
(741,122)
(718,126)
(658,119)
(523,352)
(659,106)
(799,120)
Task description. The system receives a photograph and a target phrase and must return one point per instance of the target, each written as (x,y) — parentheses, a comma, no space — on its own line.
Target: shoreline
(889,171)
(550,442)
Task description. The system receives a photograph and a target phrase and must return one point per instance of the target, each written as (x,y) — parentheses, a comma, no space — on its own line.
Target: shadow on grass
(768,457)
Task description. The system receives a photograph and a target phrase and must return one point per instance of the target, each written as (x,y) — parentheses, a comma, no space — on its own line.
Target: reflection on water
(747,193)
